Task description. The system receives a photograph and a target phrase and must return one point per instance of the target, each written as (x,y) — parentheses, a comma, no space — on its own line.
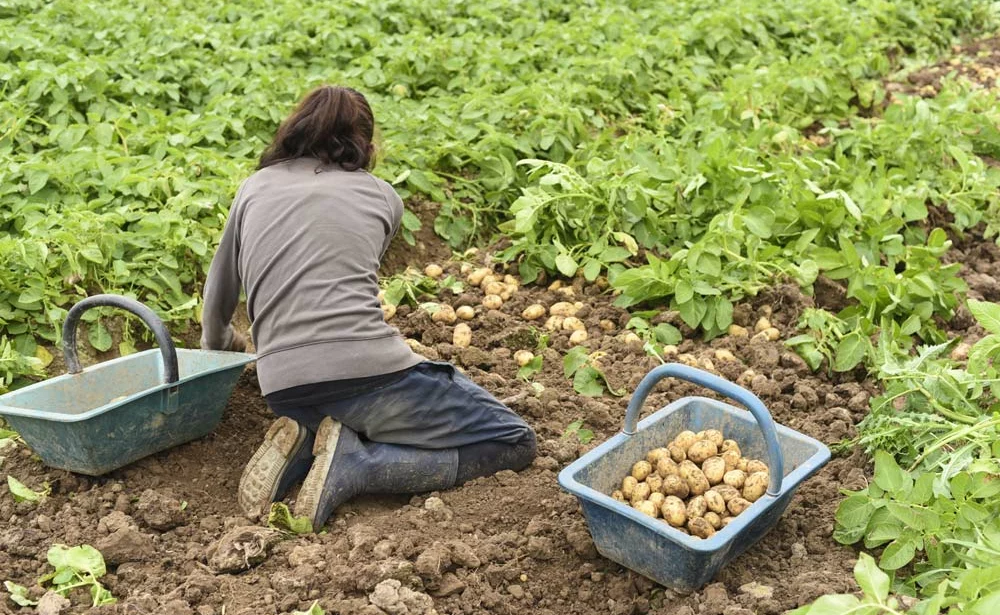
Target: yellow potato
(727,520)
(666,466)
(731,459)
(714,469)
(686,467)
(523,357)
(713,519)
(509,279)
(688,359)
(675,486)
(631,339)
(554,323)
(445,314)
(465,268)
(655,483)
(462,336)
(476,277)
(755,486)
(567,291)
(673,510)
(669,350)
(640,493)
(677,453)
(388,311)
(742,464)
(735,478)
(730,445)
(618,496)
(466,312)
(647,508)
(737,506)
(754,466)
(492,302)
(702,450)
(641,469)
(772,334)
(738,331)
(714,501)
(533,312)
(697,482)
(628,486)
(727,492)
(555,285)
(655,455)
(562,308)
(696,507)
(763,324)
(433,271)
(578,337)
(607,326)
(572,323)
(724,355)
(685,439)
(700,527)
(657,499)
(714,436)
(494,288)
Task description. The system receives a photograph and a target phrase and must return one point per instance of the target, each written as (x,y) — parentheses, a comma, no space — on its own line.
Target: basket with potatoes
(698,483)
(680,494)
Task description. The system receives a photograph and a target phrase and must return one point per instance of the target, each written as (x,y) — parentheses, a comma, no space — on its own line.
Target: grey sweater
(305,242)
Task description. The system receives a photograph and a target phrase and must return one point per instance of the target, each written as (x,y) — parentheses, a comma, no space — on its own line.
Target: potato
(686,467)
(665,466)
(668,350)
(655,483)
(494,288)
(755,486)
(523,357)
(554,323)
(737,506)
(742,464)
(508,291)
(578,337)
(462,336)
(465,268)
(647,508)
(754,465)
(608,326)
(697,482)
(696,507)
(724,355)
(731,459)
(533,312)
(707,365)
(572,323)
(617,496)
(685,439)
(562,308)
(510,280)
(433,271)
(641,469)
(492,302)
(674,512)
(476,277)
(738,331)
(714,501)
(631,339)
(714,436)
(675,486)
(730,445)
(388,311)
(763,324)
(445,314)
(628,486)
(655,455)
(702,450)
(466,312)
(713,519)
(772,334)
(640,493)
(657,499)
(677,453)
(700,528)
(735,478)
(714,469)
(486,281)
(727,520)
(727,492)
(567,291)
(555,285)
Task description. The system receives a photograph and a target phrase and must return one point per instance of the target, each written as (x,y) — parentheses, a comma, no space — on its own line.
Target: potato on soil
(554,323)
(562,308)
(628,486)
(688,359)
(466,312)
(724,355)
(731,458)
(433,271)
(462,337)
(727,492)
(489,279)
(763,324)
(674,511)
(641,469)
(697,482)
(713,519)
(738,331)
(618,496)
(465,268)
(572,323)
(665,466)
(715,501)
(647,508)
(578,337)
(640,493)
(668,350)
(533,312)
(696,507)
(655,455)
(702,450)
(737,506)
(675,486)
(631,339)
(772,334)
(685,439)
(607,326)
(735,478)
(677,453)
(492,302)
(445,314)
(655,483)
(495,288)
(388,311)
(510,280)
(714,469)
(523,357)
(476,277)
(755,465)
(755,486)
(700,527)
(657,499)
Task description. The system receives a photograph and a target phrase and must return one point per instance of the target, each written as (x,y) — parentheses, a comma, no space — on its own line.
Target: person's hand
(239,343)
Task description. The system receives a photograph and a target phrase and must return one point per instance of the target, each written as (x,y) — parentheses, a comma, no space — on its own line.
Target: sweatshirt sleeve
(222,288)
(396,209)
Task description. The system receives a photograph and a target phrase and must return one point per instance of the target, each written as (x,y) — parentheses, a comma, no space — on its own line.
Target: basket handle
(167,350)
(775,459)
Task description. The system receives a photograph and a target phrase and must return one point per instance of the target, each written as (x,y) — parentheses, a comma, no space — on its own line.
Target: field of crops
(801,196)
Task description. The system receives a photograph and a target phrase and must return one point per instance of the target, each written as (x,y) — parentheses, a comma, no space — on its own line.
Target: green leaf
(591,270)
(833,604)
(574,360)
(587,381)
(566,265)
(22,493)
(531,368)
(889,476)
(19,594)
(313,610)
(987,314)
(873,582)
(850,351)
(898,553)
(281,518)
(666,333)
(99,336)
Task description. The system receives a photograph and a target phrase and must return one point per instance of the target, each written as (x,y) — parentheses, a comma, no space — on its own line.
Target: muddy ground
(512,543)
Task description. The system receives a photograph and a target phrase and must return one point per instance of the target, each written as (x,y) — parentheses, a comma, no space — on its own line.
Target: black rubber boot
(281,460)
(346,467)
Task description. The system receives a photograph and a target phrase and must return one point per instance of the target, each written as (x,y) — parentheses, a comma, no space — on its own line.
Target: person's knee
(527,449)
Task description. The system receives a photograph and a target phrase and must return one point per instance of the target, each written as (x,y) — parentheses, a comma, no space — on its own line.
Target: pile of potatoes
(697,484)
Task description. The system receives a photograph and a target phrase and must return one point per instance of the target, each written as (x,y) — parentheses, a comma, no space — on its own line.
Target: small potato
(675,486)
(489,279)
(737,506)
(647,508)
(523,357)
(727,492)
(730,445)
(572,323)
(724,355)
(755,486)
(669,350)
(476,277)
(754,466)
(608,326)
(640,493)
(677,453)
(433,271)
(655,455)
(714,436)
(533,312)
(685,439)
(466,312)
(631,339)
(688,359)
(714,469)
(510,280)
(731,459)
(578,337)
(554,323)
(465,268)
(657,499)
(567,291)
(617,496)
(738,331)
(696,507)
(686,467)
(655,483)
(462,336)
(494,288)
(674,512)
(628,486)
(735,478)
(641,469)
(445,314)
(562,308)
(713,519)
(702,450)
(727,520)
(707,365)
(715,502)
(666,466)
(388,311)
(742,464)
(773,334)
(700,527)
(763,324)
(697,482)
(492,302)
(555,285)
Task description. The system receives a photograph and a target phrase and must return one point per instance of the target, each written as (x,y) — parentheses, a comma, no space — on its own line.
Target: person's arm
(396,208)
(222,289)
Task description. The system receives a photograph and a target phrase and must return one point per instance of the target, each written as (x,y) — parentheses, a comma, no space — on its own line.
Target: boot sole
(259,482)
(311,494)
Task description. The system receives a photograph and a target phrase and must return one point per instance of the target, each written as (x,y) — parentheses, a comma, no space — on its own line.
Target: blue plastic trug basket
(652,547)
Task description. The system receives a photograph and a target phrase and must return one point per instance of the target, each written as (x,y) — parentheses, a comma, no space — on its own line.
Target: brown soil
(977,62)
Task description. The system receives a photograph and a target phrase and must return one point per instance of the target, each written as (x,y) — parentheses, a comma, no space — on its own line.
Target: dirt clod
(159,512)
(242,548)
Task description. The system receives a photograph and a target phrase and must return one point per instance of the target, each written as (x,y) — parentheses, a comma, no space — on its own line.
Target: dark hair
(332,124)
